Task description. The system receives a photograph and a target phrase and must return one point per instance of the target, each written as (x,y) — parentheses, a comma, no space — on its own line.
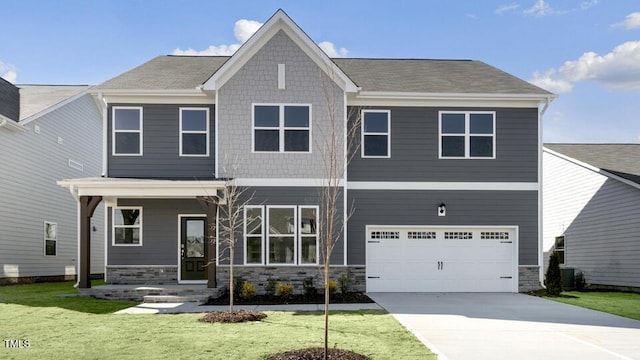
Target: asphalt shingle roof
(393,75)
(619,159)
(36,98)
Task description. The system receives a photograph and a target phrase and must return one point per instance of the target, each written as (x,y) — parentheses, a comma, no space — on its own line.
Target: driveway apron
(511,326)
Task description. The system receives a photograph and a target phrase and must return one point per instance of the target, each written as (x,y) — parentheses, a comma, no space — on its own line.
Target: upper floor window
(376,133)
(127,226)
(467,134)
(559,248)
(127,131)
(50,238)
(282,128)
(194,132)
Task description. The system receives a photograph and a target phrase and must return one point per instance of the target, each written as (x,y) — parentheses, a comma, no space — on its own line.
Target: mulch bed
(348,298)
(318,354)
(234,316)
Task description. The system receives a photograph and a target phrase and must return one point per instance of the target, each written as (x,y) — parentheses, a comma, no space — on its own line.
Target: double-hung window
(559,248)
(194,132)
(281,128)
(127,226)
(376,133)
(50,238)
(467,134)
(127,131)
(283,235)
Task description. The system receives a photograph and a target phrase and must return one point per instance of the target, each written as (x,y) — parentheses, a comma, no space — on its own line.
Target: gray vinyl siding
(30,165)
(257,82)
(599,217)
(414,150)
(468,208)
(159,232)
(161,147)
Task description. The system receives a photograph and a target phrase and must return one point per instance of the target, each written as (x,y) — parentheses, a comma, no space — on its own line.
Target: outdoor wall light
(442,210)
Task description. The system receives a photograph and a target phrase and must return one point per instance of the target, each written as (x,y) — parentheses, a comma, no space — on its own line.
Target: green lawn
(75,328)
(617,303)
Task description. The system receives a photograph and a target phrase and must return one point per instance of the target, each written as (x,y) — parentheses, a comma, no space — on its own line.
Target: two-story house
(441,194)
(47,133)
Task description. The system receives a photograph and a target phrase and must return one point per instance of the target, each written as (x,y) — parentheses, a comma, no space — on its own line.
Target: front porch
(169,293)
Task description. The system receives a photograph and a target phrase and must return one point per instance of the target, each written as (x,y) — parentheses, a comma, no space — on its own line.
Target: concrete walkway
(511,326)
(194,307)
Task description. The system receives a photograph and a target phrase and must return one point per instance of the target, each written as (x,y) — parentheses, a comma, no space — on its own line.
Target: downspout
(104,134)
(540,180)
(73,189)
(3,122)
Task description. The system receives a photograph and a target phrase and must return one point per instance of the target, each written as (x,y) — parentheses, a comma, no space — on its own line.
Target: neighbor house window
(127,131)
(50,238)
(254,234)
(559,248)
(376,133)
(282,128)
(194,132)
(465,135)
(284,234)
(127,226)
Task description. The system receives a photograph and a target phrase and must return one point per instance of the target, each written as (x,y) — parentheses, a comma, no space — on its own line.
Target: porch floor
(154,292)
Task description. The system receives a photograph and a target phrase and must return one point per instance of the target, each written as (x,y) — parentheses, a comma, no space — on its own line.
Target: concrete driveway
(511,326)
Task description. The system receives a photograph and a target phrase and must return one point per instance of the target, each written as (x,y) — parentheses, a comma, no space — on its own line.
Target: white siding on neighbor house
(30,165)
(600,218)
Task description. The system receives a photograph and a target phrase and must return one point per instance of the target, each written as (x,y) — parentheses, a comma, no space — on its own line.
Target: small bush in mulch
(348,298)
(318,354)
(234,316)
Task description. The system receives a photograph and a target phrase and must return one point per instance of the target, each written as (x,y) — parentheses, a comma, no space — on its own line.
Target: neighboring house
(47,133)
(592,211)
(444,186)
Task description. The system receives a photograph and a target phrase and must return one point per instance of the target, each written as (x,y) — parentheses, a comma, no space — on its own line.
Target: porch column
(210,206)
(88,206)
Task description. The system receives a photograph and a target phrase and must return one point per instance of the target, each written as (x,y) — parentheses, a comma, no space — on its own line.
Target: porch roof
(142,188)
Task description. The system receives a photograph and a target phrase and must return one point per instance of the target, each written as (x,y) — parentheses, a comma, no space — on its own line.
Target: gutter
(11,125)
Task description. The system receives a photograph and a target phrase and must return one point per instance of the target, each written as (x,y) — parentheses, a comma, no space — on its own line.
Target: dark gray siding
(387,207)
(291,196)
(9,100)
(159,232)
(161,153)
(414,150)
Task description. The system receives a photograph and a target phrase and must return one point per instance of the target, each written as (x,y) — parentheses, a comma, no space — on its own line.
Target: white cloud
(243,29)
(330,49)
(8,72)
(632,21)
(588,4)
(472,16)
(540,8)
(506,8)
(618,69)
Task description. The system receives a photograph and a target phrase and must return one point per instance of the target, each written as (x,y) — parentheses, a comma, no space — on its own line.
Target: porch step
(175,298)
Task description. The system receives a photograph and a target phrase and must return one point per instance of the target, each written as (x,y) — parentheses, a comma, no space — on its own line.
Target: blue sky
(587,51)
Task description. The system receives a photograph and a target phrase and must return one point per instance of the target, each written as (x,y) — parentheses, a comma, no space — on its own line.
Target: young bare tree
(338,145)
(231,218)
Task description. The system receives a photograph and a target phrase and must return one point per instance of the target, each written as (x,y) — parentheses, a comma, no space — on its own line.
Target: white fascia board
(443,96)
(284,182)
(11,125)
(141,188)
(53,107)
(460,186)
(180,97)
(279,21)
(592,168)
(372,98)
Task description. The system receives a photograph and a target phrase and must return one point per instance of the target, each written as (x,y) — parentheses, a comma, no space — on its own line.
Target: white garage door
(434,259)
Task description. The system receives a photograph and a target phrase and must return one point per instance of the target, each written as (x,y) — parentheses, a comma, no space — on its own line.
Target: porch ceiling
(142,188)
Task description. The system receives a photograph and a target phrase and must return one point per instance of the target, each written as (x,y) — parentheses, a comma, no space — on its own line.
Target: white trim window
(376,133)
(127,226)
(559,247)
(281,128)
(467,134)
(254,234)
(50,238)
(194,132)
(126,134)
(287,235)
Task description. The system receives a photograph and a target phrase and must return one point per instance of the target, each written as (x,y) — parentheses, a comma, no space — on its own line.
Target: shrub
(237,286)
(284,290)
(248,290)
(579,280)
(270,288)
(553,280)
(308,287)
(333,287)
(345,281)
